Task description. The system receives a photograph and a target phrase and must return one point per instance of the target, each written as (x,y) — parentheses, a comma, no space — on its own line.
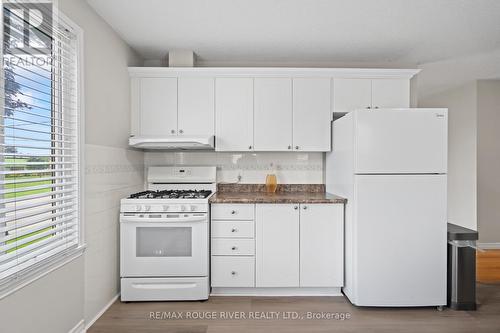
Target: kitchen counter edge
(276,198)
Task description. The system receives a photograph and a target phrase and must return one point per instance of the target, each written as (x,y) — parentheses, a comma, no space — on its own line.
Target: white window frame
(65,258)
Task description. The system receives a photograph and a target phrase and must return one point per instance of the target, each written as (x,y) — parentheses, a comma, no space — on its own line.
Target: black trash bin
(461,267)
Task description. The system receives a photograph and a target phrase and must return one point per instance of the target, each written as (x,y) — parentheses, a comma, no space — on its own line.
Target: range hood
(172,142)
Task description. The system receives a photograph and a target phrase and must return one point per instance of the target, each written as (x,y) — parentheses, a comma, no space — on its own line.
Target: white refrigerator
(391,165)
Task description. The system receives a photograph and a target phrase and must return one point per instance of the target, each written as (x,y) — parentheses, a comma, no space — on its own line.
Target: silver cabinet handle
(181,131)
(296,207)
(234,230)
(233,212)
(305,207)
(234,248)
(233,273)
(172,131)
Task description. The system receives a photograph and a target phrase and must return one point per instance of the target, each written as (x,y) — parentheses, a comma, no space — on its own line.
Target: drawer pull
(234,230)
(233,212)
(234,248)
(233,273)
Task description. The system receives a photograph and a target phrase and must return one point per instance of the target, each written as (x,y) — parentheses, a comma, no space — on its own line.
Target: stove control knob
(165,208)
(192,208)
(147,208)
(183,208)
(138,208)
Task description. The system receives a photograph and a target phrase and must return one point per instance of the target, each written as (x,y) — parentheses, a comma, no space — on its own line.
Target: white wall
(462,183)
(291,168)
(448,74)
(79,290)
(112,171)
(456,84)
(53,303)
(488,160)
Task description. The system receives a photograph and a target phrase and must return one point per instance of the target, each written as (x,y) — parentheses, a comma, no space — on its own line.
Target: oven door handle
(131,219)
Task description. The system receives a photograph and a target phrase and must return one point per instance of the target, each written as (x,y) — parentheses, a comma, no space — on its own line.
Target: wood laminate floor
(488,266)
(135,317)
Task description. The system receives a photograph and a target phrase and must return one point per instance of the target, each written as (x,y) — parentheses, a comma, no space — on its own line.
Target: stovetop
(172,194)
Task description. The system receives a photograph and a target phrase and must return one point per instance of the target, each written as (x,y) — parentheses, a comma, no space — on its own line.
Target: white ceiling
(307,31)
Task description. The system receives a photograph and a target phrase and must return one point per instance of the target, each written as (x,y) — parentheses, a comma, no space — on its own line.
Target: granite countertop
(290,193)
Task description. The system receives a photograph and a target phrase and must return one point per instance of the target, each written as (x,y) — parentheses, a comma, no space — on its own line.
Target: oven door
(162,245)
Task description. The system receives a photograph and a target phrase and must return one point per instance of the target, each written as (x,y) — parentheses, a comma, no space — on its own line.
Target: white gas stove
(164,236)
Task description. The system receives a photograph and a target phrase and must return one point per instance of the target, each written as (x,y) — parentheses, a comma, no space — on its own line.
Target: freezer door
(393,141)
(400,240)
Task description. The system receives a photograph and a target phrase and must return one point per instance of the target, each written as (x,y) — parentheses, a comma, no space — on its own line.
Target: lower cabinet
(321,245)
(280,246)
(277,245)
(233,271)
(232,246)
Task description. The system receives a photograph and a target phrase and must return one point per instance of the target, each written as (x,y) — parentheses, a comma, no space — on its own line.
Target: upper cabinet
(311,114)
(390,93)
(272,114)
(351,94)
(292,114)
(259,109)
(170,106)
(196,106)
(234,114)
(157,101)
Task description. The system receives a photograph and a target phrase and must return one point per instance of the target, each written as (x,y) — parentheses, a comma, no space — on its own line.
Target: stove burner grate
(171,194)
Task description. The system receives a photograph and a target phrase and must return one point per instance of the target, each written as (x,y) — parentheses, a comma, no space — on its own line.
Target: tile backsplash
(290,168)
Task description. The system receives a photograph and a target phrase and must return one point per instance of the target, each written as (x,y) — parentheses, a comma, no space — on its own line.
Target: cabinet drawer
(233,247)
(232,229)
(232,211)
(233,271)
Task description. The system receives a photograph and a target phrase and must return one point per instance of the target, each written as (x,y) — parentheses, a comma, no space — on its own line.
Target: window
(39,141)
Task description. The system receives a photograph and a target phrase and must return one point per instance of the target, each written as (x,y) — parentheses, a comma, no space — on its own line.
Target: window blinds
(39,139)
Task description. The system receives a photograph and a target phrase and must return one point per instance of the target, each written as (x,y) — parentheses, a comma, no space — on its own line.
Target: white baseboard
(276,292)
(79,327)
(99,314)
(489,246)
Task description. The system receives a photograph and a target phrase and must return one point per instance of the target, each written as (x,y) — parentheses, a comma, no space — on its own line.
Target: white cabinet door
(234,114)
(351,94)
(196,106)
(321,245)
(158,106)
(311,114)
(277,245)
(273,114)
(390,93)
